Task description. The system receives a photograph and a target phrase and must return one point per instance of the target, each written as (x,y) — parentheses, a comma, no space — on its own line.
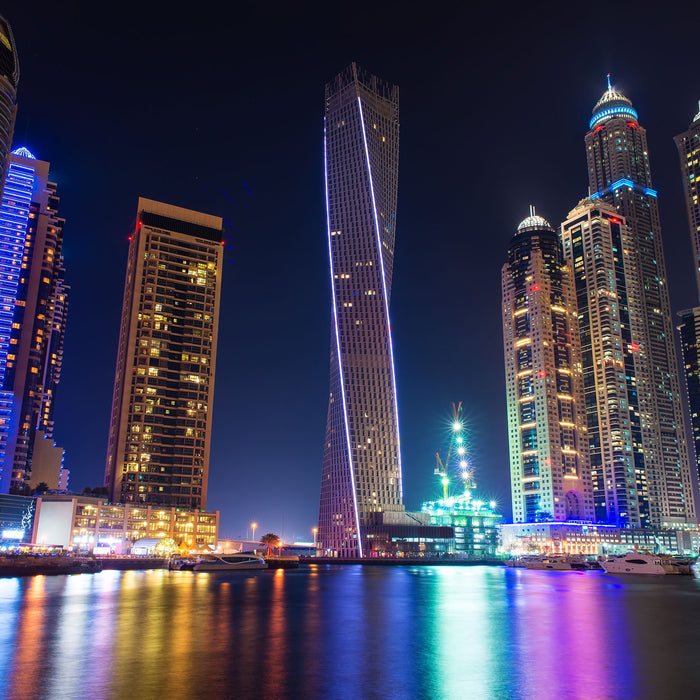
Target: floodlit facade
(549,462)
(160,429)
(31,335)
(9,78)
(361,477)
(620,175)
(94,524)
(596,241)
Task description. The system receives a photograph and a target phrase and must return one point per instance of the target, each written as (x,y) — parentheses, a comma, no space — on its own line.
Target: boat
(646,564)
(557,563)
(179,562)
(229,562)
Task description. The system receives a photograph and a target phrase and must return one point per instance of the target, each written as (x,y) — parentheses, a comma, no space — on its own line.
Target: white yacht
(557,563)
(640,563)
(229,562)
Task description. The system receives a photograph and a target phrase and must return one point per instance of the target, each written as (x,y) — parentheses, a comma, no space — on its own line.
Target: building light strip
(337,342)
(386,298)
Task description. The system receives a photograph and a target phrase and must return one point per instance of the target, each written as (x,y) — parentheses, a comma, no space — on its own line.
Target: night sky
(221,111)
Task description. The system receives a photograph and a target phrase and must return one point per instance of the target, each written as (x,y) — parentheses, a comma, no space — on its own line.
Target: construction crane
(457,443)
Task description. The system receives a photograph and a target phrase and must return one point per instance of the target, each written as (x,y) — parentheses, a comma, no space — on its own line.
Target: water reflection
(348,632)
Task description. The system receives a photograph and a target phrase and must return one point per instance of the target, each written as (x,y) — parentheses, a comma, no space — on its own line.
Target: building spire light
(609,85)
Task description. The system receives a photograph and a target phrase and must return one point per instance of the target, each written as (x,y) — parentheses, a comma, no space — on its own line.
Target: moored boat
(645,564)
(229,562)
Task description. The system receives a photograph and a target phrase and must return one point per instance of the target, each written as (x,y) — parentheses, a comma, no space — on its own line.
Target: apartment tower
(32,326)
(620,176)
(689,151)
(595,238)
(160,428)
(547,434)
(361,477)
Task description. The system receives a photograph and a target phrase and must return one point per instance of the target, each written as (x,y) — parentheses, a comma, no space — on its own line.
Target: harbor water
(350,632)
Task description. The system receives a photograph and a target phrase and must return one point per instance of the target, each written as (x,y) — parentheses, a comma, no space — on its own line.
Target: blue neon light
(612,112)
(386,300)
(24,153)
(14,221)
(337,342)
(624,182)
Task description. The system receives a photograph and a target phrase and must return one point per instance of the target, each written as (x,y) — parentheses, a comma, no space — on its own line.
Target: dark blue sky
(184,104)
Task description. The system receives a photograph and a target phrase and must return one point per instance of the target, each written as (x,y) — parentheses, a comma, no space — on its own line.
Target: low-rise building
(475,523)
(595,539)
(88,523)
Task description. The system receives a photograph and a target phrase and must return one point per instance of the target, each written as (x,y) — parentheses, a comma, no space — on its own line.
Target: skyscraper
(549,463)
(9,78)
(361,477)
(688,144)
(160,429)
(595,238)
(619,175)
(689,151)
(32,328)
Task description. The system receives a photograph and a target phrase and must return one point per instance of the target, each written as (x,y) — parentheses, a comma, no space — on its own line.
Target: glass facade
(549,460)
(620,175)
(361,474)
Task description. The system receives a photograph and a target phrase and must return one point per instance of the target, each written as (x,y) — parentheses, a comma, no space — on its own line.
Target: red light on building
(542,373)
(223,242)
(633,348)
(535,287)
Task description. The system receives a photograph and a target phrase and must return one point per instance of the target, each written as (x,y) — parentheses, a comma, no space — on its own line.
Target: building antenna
(532,210)
(609,85)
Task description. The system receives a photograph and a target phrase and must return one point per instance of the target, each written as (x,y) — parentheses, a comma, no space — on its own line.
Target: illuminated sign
(12,534)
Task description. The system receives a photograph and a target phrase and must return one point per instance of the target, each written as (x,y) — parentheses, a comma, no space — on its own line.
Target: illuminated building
(596,240)
(549,463)
(475,523)
(620,175)
(9,78)
(160,429)
(689,151)
(361,477)
(595,539)
(32,326)
(94,524)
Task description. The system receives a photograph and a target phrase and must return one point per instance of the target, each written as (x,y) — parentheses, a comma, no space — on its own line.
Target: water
(350,632)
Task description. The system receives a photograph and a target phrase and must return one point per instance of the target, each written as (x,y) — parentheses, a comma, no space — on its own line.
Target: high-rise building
(620,175)
(595,238)
(32,326)
(160,429)
(549,462)
(688,144)
(9,78)
(689,151)
(361,476)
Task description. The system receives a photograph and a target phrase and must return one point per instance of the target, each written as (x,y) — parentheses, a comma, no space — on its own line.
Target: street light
(253,525)
(315,531)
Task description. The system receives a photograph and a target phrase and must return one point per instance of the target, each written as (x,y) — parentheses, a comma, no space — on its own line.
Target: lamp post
(253,525)
(315,531)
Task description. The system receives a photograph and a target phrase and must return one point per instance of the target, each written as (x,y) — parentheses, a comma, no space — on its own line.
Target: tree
(41,487)
(270,540)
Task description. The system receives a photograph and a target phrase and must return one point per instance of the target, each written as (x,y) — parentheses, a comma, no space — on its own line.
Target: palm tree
(270,540)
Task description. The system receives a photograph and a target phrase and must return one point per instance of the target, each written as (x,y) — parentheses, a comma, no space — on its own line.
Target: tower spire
(532,210)
(609,85)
